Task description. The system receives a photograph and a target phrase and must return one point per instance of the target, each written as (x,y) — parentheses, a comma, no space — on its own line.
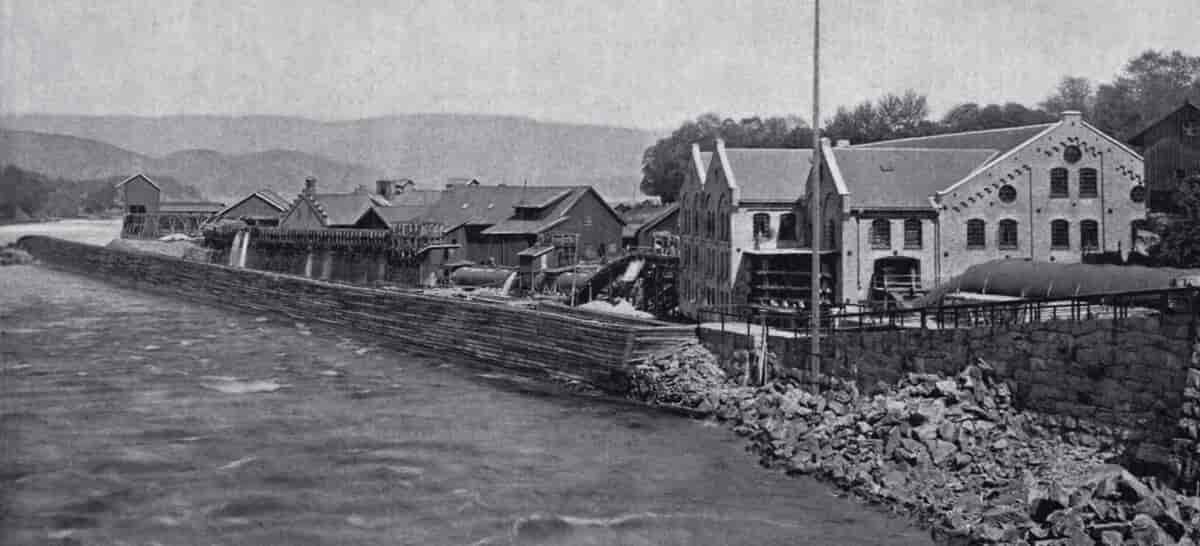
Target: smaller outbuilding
(261,208)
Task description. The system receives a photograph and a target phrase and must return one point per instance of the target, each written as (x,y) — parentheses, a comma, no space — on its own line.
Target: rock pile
(951,451)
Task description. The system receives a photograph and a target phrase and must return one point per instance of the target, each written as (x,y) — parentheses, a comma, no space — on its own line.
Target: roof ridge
(974,132)
(882,148)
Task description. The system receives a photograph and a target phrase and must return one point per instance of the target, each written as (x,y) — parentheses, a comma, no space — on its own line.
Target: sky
(638,63)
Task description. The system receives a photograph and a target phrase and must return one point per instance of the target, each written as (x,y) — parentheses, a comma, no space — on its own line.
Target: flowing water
(127,418)
(96,232)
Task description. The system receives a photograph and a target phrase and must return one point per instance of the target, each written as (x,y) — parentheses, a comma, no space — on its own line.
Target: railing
(1117,306)
(898,282)
(403,241)
(152,225)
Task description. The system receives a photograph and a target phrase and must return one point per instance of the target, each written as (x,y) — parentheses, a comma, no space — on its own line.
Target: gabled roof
(769,174)
(271,198)
(1187,105)
(398,214)
(136,177)
(989,139)
(903,177)
(484,205)
(659,218)
(343,209)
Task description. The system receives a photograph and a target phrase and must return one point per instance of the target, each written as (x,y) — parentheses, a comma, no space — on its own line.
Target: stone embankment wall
(558,345)
(1099,376)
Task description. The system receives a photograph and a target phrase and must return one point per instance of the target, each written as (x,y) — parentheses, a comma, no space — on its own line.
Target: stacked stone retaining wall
(530,341)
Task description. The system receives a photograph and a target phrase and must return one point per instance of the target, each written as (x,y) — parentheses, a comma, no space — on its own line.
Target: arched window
(881,234)
(762,225)
(829,235)
(1089,235)
(1060,234)
(1088,186)
(1058,183)
(722,223)
(787,227)
(710,224)
(912,233)
(976,233)
(1006,236)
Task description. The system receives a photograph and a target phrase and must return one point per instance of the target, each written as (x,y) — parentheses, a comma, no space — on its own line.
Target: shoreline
(949,454)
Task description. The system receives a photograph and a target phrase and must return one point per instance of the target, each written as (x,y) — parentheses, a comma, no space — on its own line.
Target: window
(1089,235)
(787,227)
(587,220)
(1191,128)
(710,224)
(762,225)
(1180,174)
(1138,194)
(881,234)
(1060,234)
(1087,183)
(1058,183)
(912,233)
(1007,235)
(976,234)
(1008,194)
(1072,154)
(830,234)
(137,209)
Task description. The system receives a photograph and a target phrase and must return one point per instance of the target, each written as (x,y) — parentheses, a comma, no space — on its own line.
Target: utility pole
(814,201)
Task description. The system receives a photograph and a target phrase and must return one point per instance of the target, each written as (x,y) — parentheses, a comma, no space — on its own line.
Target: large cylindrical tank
(567,282)
(483,277)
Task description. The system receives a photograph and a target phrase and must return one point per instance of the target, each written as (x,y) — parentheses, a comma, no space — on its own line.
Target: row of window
(704,295)
(1089,186)
(1006,234)
(712,262)
(1060,234)
(881,234)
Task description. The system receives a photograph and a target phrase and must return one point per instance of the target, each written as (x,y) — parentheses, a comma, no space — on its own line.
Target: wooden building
(494,224)
(651,228)
(151,213)
(1171,148)
(313,210)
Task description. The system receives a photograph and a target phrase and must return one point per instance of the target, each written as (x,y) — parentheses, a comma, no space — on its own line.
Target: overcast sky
(643,63)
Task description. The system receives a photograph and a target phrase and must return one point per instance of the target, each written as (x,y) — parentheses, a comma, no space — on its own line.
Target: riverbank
(135,418)
(950,452)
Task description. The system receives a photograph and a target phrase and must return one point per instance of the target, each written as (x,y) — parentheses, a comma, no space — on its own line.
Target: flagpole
(814,201)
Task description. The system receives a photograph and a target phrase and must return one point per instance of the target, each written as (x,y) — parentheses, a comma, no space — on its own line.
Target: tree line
(1147,87)
(30,195)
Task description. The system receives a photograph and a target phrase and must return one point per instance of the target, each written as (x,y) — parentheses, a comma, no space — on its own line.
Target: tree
(891,116)
(1150,85)
(1073,93)
(666,163)
(972,117)
(1180,243)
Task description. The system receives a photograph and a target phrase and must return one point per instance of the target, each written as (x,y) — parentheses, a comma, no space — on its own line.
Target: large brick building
(902,216)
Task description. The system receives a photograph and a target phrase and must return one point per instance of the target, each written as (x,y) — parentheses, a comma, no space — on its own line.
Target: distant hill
(428,148)
(216,175)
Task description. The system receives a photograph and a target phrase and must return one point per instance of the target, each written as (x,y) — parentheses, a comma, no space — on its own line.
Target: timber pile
(951,451)
(537,343)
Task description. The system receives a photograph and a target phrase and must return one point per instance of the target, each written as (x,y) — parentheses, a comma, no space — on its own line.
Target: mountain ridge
(428,148)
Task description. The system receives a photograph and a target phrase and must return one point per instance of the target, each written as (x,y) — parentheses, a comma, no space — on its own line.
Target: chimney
(1072,115)
(386,189)
(310,186)
(843,143)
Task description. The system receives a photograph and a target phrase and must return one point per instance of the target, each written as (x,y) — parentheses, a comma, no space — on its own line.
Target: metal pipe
(814,204)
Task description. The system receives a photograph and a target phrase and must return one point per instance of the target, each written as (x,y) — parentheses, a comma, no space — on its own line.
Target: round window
(1072,154)
(1138,194)
(1008,194)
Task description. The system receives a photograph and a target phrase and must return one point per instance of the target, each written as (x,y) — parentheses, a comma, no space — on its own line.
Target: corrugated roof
(990,139)
(903,178)
(416,197)
(770,174)
(190,206)
(398,214)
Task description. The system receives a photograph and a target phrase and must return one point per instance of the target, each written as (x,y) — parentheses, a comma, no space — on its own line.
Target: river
(132,418)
